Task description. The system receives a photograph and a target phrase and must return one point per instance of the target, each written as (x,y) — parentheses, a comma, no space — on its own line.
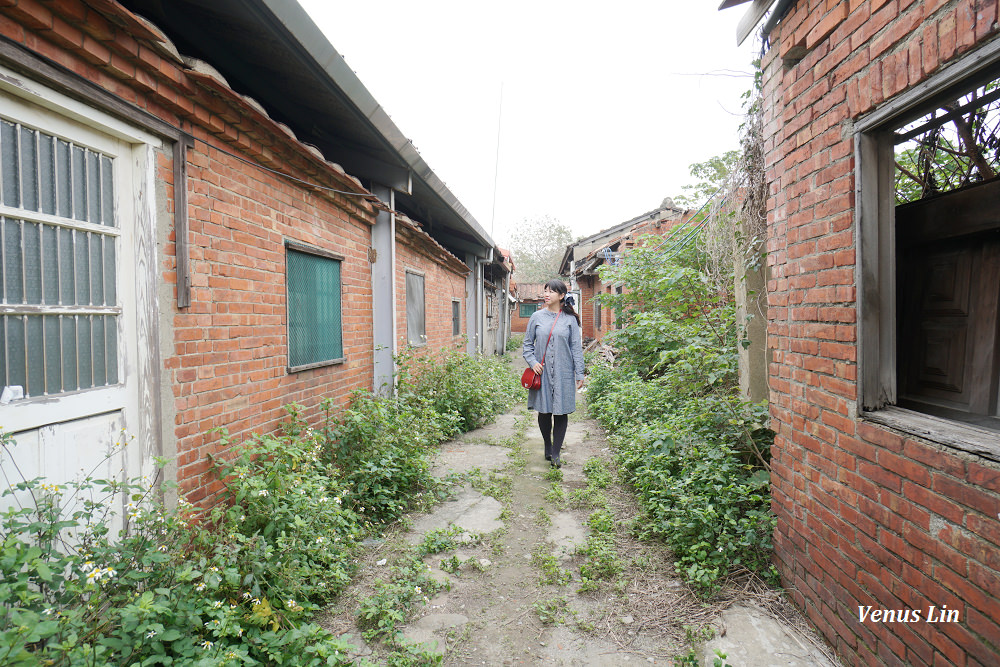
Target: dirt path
(529,582)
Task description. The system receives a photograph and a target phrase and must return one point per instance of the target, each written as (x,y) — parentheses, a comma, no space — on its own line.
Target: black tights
(553,432)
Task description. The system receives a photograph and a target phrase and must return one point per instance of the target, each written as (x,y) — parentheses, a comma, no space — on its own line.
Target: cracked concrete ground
(498,610)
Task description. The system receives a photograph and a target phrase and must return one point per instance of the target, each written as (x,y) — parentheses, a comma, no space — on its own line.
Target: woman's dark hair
(556,285)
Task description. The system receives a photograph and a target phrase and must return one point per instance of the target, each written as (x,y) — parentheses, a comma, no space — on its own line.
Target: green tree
(710,175)
(538,245)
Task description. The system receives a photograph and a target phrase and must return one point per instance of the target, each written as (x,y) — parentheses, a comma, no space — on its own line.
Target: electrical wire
(687,233)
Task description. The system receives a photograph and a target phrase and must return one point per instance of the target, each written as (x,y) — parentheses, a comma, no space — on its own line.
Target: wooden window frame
(456,318)
(876,257)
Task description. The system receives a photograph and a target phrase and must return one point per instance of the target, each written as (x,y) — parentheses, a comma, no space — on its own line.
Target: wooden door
(948,294)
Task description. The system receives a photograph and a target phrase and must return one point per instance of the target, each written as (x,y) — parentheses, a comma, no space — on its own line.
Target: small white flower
(49,611)
(200,587)
(150,634)
(262,492)
(207,644)
(416,589)
(246,596)
(217,604)
(163,548)
(290,604)
(319,540)
(323,499)
(339,501)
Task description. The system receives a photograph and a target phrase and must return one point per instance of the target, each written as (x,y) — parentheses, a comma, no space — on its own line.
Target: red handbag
(529,378)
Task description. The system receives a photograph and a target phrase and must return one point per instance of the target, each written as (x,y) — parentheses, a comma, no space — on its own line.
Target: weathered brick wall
(230,352)
(444,280)
(225,356)
(865,516)
(590,286)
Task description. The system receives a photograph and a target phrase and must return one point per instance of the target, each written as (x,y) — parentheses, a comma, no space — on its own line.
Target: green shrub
(166,590)
(477,388)
(695,454)
(409,583)
(235,585)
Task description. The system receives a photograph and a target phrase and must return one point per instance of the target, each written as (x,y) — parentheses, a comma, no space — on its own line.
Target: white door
(71,181)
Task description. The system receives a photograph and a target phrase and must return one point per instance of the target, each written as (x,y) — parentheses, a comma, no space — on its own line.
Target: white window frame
(876,265)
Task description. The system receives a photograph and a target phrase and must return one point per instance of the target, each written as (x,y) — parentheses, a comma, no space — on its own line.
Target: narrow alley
(529,578)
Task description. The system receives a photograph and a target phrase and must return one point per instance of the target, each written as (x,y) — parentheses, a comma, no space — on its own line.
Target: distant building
(529,299)
(582,259)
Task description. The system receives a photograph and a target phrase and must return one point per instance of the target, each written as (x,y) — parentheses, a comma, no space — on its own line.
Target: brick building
(582,259)
(202,225)
(529,299)
(880,130)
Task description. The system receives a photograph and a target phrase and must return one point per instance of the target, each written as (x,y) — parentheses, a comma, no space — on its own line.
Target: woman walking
(553,349)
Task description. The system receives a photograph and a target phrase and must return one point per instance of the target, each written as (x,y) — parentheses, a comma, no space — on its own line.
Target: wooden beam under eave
(182,252)
(751,19)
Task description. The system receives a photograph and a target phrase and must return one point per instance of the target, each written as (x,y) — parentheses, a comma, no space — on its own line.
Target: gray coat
(563,364)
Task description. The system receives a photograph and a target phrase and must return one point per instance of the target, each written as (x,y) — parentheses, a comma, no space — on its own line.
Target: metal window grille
(59,240)
(527,309)
(456,318)
(314,309)
(415,316)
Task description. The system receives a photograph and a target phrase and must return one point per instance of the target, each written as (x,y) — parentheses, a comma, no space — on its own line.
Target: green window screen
(314,321)
(528,309)
(415,316)
(456,318)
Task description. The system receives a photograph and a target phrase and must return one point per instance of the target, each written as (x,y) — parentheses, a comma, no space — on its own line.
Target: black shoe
(548,457)
(556,463)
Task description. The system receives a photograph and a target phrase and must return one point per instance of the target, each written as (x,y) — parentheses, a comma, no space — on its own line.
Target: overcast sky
(604,105)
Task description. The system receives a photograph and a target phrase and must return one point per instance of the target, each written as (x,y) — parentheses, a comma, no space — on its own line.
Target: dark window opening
(947,238)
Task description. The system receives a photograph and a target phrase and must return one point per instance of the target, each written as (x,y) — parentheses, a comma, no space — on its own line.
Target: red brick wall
(225,356)
(865,516)
(590,286)
(443,282)
(230,352)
